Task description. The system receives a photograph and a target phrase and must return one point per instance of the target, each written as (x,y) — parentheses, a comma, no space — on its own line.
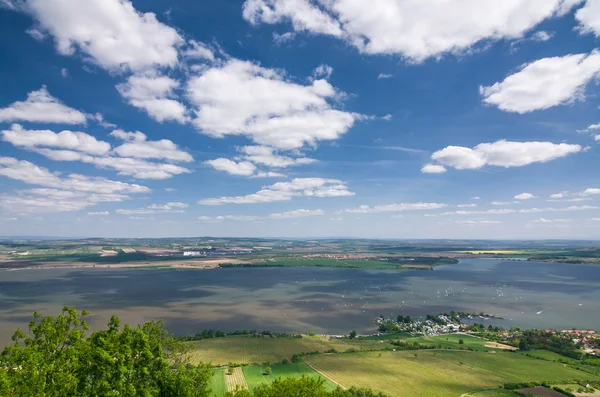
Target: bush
(461,342)
(268,371)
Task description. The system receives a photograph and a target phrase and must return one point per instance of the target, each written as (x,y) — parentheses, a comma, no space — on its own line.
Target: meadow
(438,373)
(255,374)
(260,350)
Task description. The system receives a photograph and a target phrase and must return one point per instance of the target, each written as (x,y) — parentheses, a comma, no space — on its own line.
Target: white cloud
(415,29)
(506,211)
(283,38)
(544,220)
(322,71)
(170,189)
(110,33)
(100,119)
(433,169)
(592,127)
(71,193)
(365,209)
(589,192)
(268,174)
(241,98)
(41,107)
(300,213)
(79,141)
(100,213)
(479,222)
(475,198)
(36,34)
(544,83)
(155,209)
(467,205)
(541,36)
(483,212)
(243,218)
(244,168)
(266,156)
(199,50)
(384,76)
(560,195)
(78,146)
(502,154)
(154,94)
(138,146)
(64,72)
(589,17)
(524,196)
(500,203)
(282,191)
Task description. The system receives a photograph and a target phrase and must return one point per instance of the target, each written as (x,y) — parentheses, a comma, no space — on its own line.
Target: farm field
(235,380)
(496,392)
(255,374)
(251,350)
(437,373)
(453,342)
(217,383)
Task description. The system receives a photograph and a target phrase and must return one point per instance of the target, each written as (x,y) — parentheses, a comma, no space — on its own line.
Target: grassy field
(453,342)
(255,374)
(496,392)
(217,383)
(437,373)
(251,350)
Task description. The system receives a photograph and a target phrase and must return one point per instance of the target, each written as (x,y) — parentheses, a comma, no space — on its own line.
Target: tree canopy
(59,358)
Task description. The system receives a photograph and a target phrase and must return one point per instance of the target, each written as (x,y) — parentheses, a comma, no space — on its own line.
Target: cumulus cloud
(244,168)
(300,213)
(524,196)
(589,18)
(365,209)
(322,71)
(384,76)
(544,83)
(478,222)
(128,158)
(41,107)
(110,33)
(590,128)
(198,50)
(500,202)
(154,94)
(467,205)
(243,218)
(506,211)
(99,213)
(59,194)
(79,141)
(417,30)
(502,154)
(282,191)
(242,98)
(138,146)
(433,169)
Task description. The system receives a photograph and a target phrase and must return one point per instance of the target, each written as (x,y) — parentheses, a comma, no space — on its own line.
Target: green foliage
(57,358)
(461,342)
(302,387)
(268,371)
(352,334)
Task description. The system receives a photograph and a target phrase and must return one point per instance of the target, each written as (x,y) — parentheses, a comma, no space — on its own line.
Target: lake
(295,299)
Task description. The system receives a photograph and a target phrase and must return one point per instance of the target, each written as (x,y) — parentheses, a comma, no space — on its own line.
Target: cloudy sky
(300,118)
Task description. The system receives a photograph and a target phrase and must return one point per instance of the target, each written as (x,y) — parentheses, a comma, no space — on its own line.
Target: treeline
(303,387)
(58,358)
(557,343)
(211,333)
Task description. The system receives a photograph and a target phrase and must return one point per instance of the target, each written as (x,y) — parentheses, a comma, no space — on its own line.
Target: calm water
(526,294)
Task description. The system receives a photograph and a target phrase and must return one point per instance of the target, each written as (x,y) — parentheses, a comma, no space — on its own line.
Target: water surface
(526,294)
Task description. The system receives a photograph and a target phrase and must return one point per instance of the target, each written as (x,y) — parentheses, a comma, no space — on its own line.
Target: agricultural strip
(255,374)
(438,373)
(217,383)
(236,380)
(253,350)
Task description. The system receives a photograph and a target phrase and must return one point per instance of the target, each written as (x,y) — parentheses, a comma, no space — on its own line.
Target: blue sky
(304,118)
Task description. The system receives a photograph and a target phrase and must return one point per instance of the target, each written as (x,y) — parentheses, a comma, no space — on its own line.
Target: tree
(352,334)
(522,345)
(268,371)
(57,358)
(461,342)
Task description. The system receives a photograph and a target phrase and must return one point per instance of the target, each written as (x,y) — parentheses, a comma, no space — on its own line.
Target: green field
(438,372)
(217,383)
(452,342)
(255,374)
(260,350)
(497,392)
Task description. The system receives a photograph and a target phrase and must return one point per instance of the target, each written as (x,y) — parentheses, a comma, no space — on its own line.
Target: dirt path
(236,381)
